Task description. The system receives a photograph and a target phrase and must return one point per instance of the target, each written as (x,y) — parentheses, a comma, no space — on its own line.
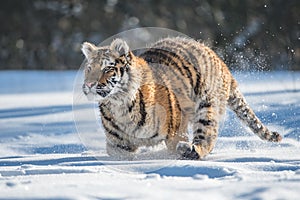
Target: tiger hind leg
(205,131)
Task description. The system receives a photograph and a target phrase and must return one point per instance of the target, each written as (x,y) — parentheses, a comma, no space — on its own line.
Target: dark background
(248,34)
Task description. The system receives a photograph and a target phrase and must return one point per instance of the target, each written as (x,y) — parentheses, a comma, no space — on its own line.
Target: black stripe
(207,122)
(198,138)
(239,107)
(188,56)
(167,137)
(102,112)
(125,147)
(186,53)
(157,71)
(204,104)
(244,113)
(122,71)
(130,107)
(125,90)
(170,105)
(142,110)
(114,134)
(199,130)
(120,60)
(159,55)
(253,125)
(184,65)
(180,111)
(170,110)
(197,85)
(153,136)
(155,57)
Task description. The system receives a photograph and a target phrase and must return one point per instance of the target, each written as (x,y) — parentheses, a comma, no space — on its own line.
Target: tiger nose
(90,84)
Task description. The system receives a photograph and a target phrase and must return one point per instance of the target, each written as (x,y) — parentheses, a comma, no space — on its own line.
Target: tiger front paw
(187,151)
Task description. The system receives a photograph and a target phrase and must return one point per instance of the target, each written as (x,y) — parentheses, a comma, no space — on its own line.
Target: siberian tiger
(152,95)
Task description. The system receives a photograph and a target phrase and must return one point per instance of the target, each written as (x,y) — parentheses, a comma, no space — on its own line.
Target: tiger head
(106,69)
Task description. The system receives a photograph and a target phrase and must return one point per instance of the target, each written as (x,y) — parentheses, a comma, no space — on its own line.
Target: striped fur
(151,96)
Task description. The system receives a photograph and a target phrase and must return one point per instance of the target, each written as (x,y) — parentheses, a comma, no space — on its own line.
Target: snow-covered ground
(42,156)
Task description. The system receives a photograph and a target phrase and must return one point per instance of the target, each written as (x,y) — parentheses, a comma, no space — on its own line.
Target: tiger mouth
(92,96)
(97,91)
(104,90)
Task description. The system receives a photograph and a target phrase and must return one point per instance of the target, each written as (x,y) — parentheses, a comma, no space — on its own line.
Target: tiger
(161,93)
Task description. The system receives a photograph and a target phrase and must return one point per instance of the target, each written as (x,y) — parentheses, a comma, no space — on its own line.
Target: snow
(43,157)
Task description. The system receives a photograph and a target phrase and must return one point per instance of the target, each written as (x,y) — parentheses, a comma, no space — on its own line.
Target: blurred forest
(248,34)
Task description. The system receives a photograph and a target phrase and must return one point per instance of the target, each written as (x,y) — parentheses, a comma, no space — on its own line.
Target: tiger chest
(136,125)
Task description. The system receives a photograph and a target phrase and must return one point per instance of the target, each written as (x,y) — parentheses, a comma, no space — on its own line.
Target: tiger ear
(88,49)
(120,47)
